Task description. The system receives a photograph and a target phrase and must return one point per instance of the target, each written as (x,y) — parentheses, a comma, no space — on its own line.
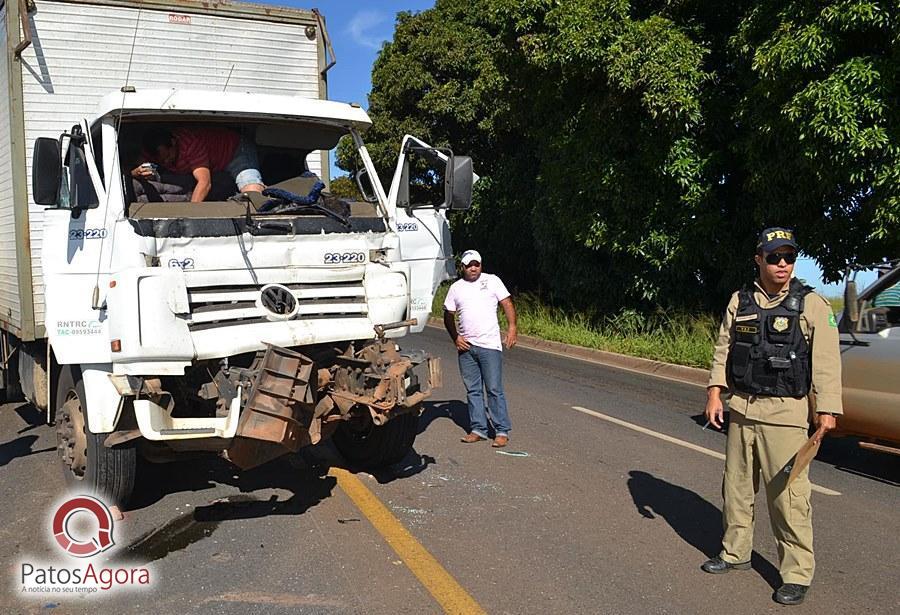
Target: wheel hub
(71,436)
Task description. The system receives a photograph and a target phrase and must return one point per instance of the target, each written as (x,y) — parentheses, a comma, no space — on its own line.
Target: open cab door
(427,183)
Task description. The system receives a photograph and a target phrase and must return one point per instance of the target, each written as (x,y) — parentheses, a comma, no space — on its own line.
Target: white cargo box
(62,57)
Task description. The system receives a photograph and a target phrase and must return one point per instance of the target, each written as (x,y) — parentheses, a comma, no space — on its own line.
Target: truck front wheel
(365,444)
(87,463)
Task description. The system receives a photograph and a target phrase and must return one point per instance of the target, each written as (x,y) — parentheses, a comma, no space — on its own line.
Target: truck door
(417,197)
(74,254)
(75,230)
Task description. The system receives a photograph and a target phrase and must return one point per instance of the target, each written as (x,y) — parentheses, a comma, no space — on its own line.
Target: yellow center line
(673,440)
(443,587)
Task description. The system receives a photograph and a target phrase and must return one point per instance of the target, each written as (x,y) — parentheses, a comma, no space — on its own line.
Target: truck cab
(250,324)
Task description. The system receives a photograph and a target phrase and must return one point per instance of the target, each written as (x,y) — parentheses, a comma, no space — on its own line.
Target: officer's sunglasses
(774,258)
(472,264)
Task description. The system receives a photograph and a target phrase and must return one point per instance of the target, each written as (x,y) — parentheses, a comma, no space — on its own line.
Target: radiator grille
(228,306)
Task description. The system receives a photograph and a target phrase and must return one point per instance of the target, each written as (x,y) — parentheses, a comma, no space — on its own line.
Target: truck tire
(87,463)
(365,444)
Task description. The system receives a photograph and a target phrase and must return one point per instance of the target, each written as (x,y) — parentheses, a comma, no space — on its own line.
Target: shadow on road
(20,447)
(31,416)
(453,409)
(185,530)
(304,475)
(410,465)
(690,516)
(324,456)
(202,472)
(845,455)
(155,481)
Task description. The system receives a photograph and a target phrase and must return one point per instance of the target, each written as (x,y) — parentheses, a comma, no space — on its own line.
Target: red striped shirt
(212,148)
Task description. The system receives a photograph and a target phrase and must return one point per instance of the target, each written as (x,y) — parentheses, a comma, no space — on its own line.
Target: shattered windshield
(240,170)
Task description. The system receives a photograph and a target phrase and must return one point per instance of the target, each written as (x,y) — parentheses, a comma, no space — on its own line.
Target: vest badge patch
(780,323)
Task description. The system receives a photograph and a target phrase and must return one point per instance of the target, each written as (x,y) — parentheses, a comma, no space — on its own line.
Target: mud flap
(271,422)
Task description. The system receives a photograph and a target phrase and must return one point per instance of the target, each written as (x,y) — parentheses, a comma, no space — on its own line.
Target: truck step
(200,431)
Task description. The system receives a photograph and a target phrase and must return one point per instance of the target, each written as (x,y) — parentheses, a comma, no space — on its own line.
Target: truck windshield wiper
(284,202)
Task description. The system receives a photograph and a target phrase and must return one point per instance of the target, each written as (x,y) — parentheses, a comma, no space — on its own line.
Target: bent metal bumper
(287,401)
(294,403)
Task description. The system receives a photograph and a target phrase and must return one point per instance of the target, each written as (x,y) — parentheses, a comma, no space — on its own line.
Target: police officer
(778,356)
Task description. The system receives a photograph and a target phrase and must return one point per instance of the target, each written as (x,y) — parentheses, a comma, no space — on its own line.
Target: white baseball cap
(470,255)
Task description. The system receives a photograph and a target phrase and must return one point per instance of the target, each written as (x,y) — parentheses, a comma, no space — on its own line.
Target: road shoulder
(669,371)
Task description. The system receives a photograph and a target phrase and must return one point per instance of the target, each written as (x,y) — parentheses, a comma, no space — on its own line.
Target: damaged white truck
(250,326)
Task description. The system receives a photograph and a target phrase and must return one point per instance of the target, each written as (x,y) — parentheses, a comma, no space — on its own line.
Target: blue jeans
(482,369)
(244,165)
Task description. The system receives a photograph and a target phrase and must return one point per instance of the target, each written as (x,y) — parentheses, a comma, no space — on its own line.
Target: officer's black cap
(776,237)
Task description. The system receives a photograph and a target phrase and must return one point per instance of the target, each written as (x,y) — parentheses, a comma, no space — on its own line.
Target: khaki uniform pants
(758,448)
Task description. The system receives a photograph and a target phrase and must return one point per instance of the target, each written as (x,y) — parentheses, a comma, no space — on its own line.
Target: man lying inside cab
(201,152)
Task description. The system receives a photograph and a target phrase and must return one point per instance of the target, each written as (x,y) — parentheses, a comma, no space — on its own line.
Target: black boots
(717,565)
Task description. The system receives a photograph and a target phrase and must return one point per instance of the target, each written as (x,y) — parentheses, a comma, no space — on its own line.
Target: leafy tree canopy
(345,188)
(631,151)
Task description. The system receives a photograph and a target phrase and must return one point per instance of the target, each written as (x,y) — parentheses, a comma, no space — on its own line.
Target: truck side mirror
(851,301)
(436,179)
(461,195)
(46,171)
(367,195)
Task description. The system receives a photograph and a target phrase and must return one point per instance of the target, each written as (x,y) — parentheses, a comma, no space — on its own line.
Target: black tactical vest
(770,356)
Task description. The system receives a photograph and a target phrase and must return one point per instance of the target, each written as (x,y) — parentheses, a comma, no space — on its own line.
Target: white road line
(693,447)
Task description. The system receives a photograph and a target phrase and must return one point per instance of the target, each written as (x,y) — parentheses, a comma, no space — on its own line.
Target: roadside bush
(680,338)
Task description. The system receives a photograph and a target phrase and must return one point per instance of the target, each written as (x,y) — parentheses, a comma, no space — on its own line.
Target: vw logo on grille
(278,301)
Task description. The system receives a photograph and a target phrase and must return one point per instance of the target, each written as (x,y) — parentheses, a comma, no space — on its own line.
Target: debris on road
(513,453)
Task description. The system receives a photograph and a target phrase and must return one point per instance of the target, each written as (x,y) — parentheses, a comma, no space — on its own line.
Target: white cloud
(361,28)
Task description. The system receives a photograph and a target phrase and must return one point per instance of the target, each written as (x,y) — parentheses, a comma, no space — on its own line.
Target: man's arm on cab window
(204,184)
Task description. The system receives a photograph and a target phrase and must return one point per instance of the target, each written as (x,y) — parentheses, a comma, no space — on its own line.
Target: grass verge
(683,339)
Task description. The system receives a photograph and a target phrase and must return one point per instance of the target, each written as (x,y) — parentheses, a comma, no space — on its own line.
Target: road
(599,517)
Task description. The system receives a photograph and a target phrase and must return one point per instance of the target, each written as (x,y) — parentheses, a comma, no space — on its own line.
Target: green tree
(345,188)
(629,152)
(822,116)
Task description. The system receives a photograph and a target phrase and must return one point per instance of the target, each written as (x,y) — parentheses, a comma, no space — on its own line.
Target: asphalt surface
(597,518)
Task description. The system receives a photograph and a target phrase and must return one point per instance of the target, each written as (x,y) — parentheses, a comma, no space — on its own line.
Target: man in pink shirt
(202,151)
(475,297)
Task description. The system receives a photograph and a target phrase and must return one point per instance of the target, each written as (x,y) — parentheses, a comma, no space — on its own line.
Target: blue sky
(358,30)
(807,269)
